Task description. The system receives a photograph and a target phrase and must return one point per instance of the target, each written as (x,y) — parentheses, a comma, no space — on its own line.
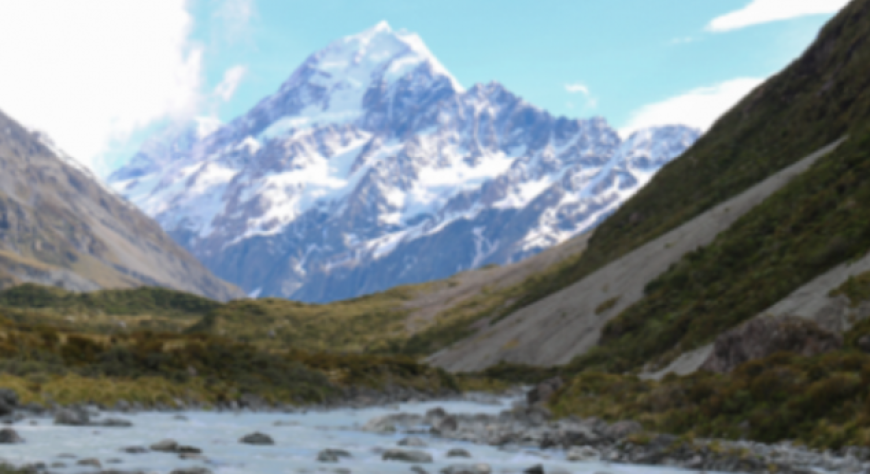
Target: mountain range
(372,167)
(60,226)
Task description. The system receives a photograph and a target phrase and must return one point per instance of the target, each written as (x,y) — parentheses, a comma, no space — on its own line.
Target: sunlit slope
(60,227)
(805,228)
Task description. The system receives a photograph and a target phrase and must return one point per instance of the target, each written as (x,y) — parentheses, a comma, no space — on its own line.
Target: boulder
(418,470)
(332,455)
(165,446)
(467,469)
(114,423)
(445,425)
(543,391)
(9,397)
(412,441)
(71,417)
(9,436)
(258,439)
(381,424)
(93,462)
(192,470)
(135,450)
(764,336)
(458,453)
(583,454)
(406,456)
(536,469)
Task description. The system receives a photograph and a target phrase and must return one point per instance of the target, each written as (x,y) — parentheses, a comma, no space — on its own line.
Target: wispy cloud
(580,88)
(235,17)
(577,87)
(232,77)
(697,108)
(683,40)
(765,11)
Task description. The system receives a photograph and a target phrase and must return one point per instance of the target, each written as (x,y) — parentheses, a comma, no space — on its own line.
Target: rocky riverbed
(477,434)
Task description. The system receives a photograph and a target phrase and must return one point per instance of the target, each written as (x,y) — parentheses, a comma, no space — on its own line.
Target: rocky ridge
(59,226)
(372,167)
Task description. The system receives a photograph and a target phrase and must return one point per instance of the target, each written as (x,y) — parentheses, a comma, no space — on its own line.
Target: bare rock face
(59,226)
(762,337)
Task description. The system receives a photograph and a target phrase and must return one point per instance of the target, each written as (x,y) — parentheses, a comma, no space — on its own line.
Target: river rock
(165,446)
(458,453)
(94,462)
(72,417)
(536,469)
(583,453)
(467,469)
(192,470)
(9,436)
(418,470)
(135,450)
(257,438)
(413,441)
(381,424)
(332,455)
(114,423)
(406,456)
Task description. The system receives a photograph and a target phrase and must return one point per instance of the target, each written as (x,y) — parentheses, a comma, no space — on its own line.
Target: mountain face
(59,226)
(372,167)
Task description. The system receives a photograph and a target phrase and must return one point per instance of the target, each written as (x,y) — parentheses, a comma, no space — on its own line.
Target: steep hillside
(372,167)
(59,226)
(807,226)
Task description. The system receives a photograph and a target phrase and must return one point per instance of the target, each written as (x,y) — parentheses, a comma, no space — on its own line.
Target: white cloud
(577,87)
(765,11)
(92,72)
(696,108)
(232,77)
(236,16)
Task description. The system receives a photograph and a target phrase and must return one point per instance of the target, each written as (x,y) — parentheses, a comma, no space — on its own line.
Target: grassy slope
(814,223)
(813,102)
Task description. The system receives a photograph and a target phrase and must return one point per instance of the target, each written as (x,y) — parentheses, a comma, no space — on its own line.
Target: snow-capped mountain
(372,167)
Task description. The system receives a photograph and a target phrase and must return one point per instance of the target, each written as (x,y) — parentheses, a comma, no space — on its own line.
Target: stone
(135,450)
(381,424)
(583,454)
(458,453)
(181,449)
(10,436)
(445,425)
(332,455)
(863,343)
(412,441)
(9,397)
(258,439)
(418,470)
(70,417)
(90,462)
(192,470)
(467,469)
(165,446)
(114,423)
(536,469)
(406,456)
(764,336)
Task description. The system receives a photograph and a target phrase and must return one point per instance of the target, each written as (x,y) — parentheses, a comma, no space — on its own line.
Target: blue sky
(625,53)
(107,81)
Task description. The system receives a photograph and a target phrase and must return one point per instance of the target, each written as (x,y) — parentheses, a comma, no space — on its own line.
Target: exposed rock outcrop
(765,336)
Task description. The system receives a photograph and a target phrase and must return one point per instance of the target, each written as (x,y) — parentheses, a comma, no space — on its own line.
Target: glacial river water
(298,439)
